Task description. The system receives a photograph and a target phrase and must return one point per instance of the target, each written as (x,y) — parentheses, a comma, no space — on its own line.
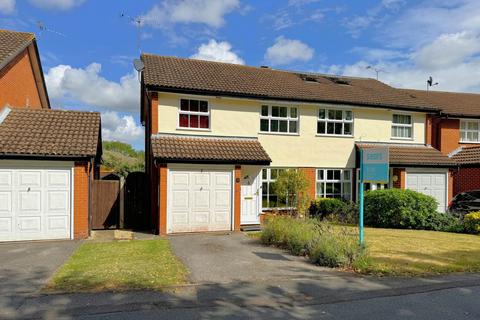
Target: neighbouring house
(455,131)
(218,134)
(48,158)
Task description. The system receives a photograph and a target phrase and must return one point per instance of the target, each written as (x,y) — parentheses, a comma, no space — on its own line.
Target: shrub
(472,222)
(323,244)
(334,210)
(399,208)
(291,187)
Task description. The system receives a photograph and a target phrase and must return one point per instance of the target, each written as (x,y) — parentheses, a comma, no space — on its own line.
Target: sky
(87,47)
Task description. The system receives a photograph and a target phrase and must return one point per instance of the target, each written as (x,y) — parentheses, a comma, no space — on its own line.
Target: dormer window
(194,114)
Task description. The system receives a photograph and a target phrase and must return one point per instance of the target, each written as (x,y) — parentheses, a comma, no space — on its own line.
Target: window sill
(277,209)
(194,129)
(279,133)
(402,139)
(334,135)
(469,142)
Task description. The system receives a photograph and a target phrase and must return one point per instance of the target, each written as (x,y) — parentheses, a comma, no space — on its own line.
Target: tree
(291,186)
(122,158)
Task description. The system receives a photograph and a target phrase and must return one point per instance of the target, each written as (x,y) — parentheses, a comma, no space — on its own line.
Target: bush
(323,244)
(334,210)
(472,222)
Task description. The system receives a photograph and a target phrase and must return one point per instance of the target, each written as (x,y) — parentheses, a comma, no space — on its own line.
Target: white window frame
(269,180)
(199,113)
(342,181)
(289,119)
(402,125)
(464,130)
(326,120)
(373,186)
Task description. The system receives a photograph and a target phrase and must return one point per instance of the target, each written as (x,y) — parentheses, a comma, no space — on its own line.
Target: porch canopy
(412,155)
(467,156)
(171,148)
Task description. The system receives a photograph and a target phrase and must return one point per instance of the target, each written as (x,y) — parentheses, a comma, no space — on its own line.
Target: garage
(35,200)
(430,183)
(199,200)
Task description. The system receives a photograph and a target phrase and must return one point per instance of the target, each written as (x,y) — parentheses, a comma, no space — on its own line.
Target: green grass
(120,265)
(417,252)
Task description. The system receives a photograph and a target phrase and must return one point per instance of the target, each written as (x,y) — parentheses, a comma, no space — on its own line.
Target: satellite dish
(138,65)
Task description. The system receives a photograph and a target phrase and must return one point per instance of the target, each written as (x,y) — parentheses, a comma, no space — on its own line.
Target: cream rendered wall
(241,117)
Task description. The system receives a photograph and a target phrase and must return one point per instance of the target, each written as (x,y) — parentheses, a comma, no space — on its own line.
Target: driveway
(26,266)
(224,258)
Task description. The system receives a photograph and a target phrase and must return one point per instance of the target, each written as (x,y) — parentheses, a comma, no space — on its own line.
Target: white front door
(251,193)
(199,200)
(430,183)
(35,203)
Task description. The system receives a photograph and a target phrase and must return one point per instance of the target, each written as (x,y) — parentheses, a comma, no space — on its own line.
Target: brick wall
(81,200)
(466,179)
(310,174)
(400,173)
(162,208)
(237,198)
(17,84)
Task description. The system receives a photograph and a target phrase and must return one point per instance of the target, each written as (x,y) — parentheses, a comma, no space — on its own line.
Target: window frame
(269,117)
(402,125)
(199,113)
(342,181)
(343,121)
(466,130)
(269,180)
(373,186)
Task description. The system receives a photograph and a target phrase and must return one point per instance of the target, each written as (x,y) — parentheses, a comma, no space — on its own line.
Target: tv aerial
(43,28)
(377,70)
(138,22)
(430,83)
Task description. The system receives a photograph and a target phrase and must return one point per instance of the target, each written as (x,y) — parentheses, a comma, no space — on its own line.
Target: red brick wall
(237,198)
(449,130)
(466,179)
(400,173)
(162,208)
(81,200)
(17,83)
(310,174)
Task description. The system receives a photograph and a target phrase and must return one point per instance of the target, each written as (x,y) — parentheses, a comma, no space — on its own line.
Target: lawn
(398,252)
(120,265)
(416,252)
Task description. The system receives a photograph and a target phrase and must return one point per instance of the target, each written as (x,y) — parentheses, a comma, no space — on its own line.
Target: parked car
(465,202)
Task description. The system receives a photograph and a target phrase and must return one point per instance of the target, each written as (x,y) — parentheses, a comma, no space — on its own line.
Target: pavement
(240,280)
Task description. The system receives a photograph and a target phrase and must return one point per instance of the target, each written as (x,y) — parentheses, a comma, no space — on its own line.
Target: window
(402,126)
(279,119)
(335,122)
(334,183)
(469,131)
(194,114)
(269,196)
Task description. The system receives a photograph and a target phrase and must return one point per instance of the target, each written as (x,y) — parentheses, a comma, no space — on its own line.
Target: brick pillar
(400,173)
(162,208)
(428,130)
(310,174)
(81,199)
(154,112)
(450,186)
(237,198)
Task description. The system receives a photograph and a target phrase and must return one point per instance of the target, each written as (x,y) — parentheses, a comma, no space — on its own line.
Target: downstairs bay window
(334,183)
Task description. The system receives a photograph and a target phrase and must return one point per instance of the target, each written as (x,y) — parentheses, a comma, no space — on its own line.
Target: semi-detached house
(218,134)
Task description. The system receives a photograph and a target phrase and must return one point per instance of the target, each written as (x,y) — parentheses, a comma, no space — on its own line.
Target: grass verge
(120,265)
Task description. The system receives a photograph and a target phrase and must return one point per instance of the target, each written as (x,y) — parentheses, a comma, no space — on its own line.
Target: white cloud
(121,128)
(7,6)
(285,51)
(87,86)
(56,4)
(208,12)
(217,51)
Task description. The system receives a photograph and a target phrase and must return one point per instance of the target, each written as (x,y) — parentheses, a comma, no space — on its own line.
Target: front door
(251,195)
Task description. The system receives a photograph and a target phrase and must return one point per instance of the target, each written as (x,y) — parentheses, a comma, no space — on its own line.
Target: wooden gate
(105,204)
(136,200)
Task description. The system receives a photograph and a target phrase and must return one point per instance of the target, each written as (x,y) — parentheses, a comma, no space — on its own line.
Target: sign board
(375,165)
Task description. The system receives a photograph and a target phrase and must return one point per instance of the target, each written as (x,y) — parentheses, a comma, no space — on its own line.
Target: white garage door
(430,183)
(199,200)
(35,203)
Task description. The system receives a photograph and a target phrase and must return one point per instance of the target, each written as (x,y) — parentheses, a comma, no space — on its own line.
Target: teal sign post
(374,169)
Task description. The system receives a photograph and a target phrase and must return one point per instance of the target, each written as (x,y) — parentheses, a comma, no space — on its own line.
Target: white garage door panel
(35,204)
(199,200)
(431,184)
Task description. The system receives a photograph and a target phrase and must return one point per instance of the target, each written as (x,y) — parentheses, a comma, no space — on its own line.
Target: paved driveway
(26,266)
(223,258)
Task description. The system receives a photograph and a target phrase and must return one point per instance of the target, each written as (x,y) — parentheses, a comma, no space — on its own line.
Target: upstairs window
(194,114)
(402,126)
(469,131)
(335,122)
(279,119)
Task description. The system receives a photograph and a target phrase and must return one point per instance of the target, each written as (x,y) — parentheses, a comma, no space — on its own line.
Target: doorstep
(108,235)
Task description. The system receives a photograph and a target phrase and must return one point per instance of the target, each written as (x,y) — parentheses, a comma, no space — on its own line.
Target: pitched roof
(11,43)
(467,155)
(49,133)
(412,154)
(182,148)
(215,78)
(452,103)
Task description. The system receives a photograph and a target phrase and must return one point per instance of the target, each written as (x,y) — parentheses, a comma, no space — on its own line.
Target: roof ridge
(440,91)
(53,110)
(18,32)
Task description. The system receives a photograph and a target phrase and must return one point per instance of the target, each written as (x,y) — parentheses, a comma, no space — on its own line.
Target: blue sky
(87,47)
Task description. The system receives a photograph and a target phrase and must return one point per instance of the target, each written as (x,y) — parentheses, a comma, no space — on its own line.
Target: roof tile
(11,42)
(467,155)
